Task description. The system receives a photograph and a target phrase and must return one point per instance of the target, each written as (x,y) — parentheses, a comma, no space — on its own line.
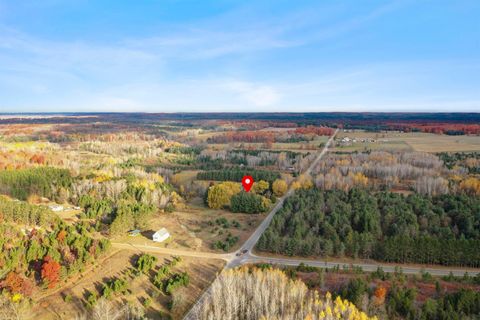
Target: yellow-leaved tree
(359,179)
(220,194)
(471,186)
(260,187)
(279,187)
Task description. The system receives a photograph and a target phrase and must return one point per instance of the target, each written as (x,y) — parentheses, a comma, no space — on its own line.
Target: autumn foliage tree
(220,194)
(471,186)
(359,179)
(61,236)
(380,293)
(260,187)
(50,272)
(279,187)
(16,283)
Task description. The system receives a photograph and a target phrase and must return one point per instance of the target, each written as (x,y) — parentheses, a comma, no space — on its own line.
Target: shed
(161,235)
(56,208)
(134,233)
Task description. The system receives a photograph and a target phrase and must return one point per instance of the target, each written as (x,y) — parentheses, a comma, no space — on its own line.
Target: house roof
(161,232)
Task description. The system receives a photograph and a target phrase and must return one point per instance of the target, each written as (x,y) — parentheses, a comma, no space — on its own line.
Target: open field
(416,141)
(429,142)
(365,146)
(201,272)
(195,228)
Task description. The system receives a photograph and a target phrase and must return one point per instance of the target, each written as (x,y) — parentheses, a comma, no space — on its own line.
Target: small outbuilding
(134,233)
(56,208)
(161,235)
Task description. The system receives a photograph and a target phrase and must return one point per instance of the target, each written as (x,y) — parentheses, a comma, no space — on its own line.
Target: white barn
(56,208)
(161,235)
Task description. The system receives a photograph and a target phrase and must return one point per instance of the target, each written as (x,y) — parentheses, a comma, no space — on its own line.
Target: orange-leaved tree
(16,283)
(50,271)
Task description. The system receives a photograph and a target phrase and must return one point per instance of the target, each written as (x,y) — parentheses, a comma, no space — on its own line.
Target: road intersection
(245,254)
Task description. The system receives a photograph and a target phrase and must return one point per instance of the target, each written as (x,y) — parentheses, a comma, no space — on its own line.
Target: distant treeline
(237,174)
(309,118)
(384,226)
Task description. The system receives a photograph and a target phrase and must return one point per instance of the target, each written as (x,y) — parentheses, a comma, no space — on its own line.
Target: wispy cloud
(257,94)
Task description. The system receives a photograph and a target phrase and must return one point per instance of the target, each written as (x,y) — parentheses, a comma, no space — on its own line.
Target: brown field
(437,143)
(201,271)
(365,146)
(190,228)
(417,141)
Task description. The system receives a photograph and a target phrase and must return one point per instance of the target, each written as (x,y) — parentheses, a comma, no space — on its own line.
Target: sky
(239,56)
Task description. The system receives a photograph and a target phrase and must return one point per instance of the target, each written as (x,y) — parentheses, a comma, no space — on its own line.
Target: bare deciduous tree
(270,294)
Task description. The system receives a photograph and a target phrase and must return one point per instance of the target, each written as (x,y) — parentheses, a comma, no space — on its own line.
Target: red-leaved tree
(50,272)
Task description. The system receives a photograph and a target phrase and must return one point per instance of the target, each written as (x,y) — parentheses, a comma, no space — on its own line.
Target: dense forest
(42,181)
(237,174)
(386,226)
(281,160)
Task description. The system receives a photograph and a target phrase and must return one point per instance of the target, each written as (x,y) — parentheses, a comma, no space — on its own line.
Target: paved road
(253,239)
(251,258)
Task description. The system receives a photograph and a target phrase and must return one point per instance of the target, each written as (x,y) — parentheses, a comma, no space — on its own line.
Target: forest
(43,181)
(385,226)
(237,174)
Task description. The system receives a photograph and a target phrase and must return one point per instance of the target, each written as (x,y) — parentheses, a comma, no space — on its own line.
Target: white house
(56,208)
(161,235)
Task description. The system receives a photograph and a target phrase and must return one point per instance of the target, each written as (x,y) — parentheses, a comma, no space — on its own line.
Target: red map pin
(247,183)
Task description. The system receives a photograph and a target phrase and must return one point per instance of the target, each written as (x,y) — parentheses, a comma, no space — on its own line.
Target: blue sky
(229,56)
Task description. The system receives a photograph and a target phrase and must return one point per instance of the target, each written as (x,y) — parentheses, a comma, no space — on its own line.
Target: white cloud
(257,94)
